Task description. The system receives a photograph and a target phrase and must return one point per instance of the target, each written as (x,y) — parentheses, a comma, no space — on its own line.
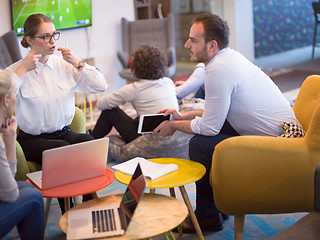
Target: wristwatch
(81,65)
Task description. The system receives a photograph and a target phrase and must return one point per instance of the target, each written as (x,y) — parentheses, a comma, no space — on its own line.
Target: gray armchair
(158,32)
(9,49)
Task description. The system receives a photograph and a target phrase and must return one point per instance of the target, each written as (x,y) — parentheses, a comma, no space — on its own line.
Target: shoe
(224,217)
(211,224)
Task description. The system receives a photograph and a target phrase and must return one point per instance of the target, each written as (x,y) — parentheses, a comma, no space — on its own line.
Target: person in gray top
(149,94)
(20,204)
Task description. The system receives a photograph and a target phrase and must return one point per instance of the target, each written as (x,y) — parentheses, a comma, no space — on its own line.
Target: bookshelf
(145,9)
(142,9)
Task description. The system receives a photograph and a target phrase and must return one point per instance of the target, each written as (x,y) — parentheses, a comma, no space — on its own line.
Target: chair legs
(46,211)
(238,227)
(314,38)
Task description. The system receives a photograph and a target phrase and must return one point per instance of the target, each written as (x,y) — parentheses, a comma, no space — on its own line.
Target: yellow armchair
(23,167)
(268,175)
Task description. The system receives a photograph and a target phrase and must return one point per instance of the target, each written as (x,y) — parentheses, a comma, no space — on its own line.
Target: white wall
(239,16)
(101,41)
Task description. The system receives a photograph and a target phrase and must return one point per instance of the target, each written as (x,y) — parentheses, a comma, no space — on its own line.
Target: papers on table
(150,169)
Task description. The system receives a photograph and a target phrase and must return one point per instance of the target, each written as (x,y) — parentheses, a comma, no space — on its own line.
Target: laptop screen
(132,196)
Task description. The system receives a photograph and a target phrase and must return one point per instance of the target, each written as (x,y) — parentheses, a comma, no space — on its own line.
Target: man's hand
(167,111)
(68,56)
(165,129)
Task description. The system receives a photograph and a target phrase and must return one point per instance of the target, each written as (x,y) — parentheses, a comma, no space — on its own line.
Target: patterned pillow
(292,130)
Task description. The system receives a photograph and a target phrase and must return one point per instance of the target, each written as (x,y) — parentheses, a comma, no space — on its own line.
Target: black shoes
(211,224)
(224,217)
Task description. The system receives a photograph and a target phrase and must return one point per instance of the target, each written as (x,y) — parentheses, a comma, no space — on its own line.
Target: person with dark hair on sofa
(21,204)
(240,99)
(149,94)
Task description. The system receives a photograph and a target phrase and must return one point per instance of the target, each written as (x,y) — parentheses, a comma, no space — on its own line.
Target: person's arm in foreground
(181,122)
(8,186)
(195,81)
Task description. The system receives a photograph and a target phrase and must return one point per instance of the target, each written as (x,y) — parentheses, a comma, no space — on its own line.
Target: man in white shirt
(240,100)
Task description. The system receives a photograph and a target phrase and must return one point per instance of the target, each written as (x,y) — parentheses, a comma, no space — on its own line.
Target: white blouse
(45,96)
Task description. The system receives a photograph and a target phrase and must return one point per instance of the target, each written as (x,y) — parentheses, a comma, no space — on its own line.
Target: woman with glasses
(20,204)
(46,86)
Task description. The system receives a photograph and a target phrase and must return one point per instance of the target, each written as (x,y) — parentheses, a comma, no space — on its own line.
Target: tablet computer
(149,122)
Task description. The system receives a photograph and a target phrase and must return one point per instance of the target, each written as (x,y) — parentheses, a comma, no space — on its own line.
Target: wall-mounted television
(65,14)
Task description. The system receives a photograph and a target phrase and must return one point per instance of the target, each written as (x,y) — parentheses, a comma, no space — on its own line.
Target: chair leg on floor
(46,211)
(314,38)
(66,204)
(152,191)
(94,195)
(76,200)
(238,227)
(191,213)
(173,194)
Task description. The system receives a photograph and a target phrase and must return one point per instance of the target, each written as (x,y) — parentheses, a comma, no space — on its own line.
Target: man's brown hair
(214,29)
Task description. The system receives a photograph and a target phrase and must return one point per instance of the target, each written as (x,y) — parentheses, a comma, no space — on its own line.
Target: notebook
(107,221)
(72,163)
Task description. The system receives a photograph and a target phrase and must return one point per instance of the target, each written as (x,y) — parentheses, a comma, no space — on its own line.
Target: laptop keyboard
(103,221)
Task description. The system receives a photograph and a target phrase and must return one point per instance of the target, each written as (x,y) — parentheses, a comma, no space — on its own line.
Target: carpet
(289,79)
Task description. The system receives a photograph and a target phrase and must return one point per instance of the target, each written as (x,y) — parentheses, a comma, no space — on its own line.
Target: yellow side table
(188,172)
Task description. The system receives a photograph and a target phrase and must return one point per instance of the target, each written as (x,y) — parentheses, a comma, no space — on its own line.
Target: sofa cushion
(10,38)
(150,146)
(5,58)
(154,146)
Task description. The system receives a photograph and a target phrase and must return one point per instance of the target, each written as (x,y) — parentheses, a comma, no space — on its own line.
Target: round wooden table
(154,215)
(188,172)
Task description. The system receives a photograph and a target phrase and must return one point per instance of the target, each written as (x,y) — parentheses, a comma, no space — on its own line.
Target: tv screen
(65,14)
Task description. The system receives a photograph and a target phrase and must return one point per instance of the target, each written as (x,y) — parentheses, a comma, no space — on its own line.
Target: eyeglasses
(48,37)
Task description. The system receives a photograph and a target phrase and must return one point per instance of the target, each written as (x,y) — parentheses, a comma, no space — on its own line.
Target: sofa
(9,49)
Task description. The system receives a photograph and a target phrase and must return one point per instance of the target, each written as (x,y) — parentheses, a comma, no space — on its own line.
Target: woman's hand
(29,63)
(9,130)
(9,127)
(69,57)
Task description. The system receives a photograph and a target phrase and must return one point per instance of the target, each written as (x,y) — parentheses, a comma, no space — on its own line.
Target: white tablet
(149,122)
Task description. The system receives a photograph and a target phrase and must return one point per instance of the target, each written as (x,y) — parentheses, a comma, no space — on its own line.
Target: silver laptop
(72,163)
(107,221)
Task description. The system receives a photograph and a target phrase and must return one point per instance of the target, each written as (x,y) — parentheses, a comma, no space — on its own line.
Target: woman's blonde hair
(5,83)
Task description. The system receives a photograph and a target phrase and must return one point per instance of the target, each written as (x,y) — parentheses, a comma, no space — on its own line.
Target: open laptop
(107,221)
(72,163)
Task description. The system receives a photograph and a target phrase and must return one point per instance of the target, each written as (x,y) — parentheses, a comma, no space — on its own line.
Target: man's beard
(201,56)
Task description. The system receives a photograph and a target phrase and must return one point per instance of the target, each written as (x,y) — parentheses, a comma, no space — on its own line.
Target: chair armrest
(124,58)
(254,174)
(317,188)
(171,52)
(22,165)
(78,123)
